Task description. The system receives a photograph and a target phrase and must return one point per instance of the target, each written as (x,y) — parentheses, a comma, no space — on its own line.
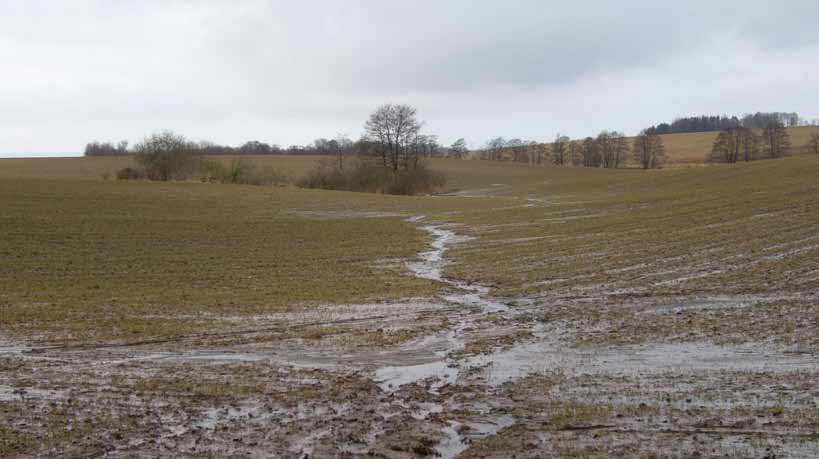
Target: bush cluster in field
(367,175)
(391,159)
(167,156)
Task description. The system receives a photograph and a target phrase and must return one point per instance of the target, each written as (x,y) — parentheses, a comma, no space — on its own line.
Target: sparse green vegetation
(636,232)
(608,273)
(100,260)
(113,254)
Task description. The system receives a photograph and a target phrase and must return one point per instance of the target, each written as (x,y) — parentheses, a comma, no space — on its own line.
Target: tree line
(106,148)
(390,157)
(394,136)
(166,156)
(339,145)
(609,149)
(706,123)
(744,144)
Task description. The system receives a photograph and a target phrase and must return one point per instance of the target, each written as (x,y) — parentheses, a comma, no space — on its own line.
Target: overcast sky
(288,72)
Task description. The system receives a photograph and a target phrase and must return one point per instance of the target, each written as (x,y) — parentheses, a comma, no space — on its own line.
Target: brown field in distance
(694,147)
(681,149)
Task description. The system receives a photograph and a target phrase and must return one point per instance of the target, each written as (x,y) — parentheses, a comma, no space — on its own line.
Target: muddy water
(544,353)
(440,373)
(471,296)
(435,364)
(547,355)
(11,393)
(477,304)
(7,346)
(433,262)
(457,441)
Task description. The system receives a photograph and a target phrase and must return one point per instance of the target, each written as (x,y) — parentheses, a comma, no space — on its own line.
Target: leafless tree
(431,146)
(612,147)
(621,149)
(533,149)
(459,148)
(255,147)
(395,128)
(814,142)
(106,148)
(342,146)
(727,145)
(575,148)
(748,144)
(735,144)
(494,148)
(775,140)
(560,150)
(166,156)
(590,151)
(518,149)
(540,151)
(649,151)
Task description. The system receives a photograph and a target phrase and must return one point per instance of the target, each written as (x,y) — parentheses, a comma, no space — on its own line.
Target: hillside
(693,148)
(551,307)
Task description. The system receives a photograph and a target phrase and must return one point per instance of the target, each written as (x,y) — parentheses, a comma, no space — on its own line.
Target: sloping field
(102,259)
(533,312)
(106,167)
(460,175)
(695,147)
(745,229)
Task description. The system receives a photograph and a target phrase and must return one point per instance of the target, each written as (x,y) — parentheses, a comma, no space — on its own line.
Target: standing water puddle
(548,355)
(457,441)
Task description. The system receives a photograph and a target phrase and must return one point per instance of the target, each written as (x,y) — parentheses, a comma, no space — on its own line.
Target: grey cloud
(286,72)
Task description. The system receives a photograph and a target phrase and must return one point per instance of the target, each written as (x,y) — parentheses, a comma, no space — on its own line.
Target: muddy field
(581,349)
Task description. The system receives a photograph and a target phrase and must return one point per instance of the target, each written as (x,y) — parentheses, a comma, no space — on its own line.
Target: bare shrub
(360,175)
(726,147)
(240,171)
(609,150)
(775,140)
(391,158)
(559,150)
(266,175)
(459,149)
(167,156)
(814,142)
(130,173)
(106,148)
(648,149)
(370,176)
(419,180)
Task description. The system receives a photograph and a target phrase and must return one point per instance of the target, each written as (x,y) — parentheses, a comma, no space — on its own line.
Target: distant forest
(707,123)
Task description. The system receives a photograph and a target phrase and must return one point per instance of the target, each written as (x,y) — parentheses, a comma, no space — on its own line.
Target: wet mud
(472,376)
